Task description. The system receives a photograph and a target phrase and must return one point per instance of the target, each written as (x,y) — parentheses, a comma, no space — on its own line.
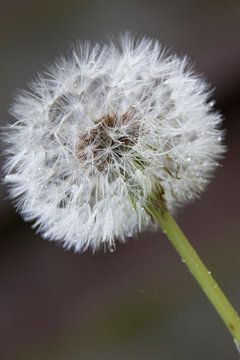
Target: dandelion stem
(199,271)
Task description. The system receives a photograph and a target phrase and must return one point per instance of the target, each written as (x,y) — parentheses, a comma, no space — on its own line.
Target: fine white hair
(96,133)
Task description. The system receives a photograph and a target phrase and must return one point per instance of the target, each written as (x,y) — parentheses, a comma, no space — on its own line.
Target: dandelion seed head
(96,133)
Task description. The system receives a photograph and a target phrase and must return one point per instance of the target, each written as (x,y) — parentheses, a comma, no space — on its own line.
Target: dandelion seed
(97,132)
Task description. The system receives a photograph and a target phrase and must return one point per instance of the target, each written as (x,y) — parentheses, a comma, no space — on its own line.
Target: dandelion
(109,142)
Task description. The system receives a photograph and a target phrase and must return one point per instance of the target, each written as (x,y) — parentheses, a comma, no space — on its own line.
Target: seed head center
(107,140)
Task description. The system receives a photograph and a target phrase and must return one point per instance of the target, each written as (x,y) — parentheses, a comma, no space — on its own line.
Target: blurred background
(139,302)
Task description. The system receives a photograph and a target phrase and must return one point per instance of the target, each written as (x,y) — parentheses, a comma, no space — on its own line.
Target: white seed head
(98,131)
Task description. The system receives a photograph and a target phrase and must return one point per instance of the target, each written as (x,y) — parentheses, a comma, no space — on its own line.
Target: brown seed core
(108,140)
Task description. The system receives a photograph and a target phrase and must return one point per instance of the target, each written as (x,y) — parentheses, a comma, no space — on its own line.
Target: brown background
(139,302)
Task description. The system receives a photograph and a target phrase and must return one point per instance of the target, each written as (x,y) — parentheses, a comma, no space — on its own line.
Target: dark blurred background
(139,302)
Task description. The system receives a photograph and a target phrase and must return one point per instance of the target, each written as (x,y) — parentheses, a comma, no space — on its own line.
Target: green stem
(198,270)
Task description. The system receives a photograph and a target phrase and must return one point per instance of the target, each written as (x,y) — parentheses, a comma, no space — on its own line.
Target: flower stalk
(198,270)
